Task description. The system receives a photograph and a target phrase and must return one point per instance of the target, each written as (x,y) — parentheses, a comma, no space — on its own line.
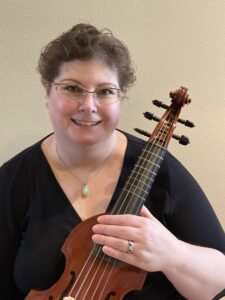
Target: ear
(47,87)
(47,91)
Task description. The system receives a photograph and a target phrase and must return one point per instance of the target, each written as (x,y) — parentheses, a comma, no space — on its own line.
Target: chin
(87,140)
(92,139)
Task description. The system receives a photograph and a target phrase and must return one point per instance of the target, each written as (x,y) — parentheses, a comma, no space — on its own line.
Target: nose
(88,102)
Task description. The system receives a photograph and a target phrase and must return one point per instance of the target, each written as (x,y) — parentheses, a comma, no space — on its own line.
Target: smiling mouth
(86,123)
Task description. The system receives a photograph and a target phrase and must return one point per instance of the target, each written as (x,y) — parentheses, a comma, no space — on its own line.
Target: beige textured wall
(173,43)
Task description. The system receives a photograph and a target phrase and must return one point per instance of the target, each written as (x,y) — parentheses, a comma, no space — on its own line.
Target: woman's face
(85,122)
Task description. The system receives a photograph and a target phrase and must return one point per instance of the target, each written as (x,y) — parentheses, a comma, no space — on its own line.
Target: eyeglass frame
(84,92)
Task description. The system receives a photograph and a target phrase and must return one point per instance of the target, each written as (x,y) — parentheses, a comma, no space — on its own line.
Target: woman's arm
(196,272)
(11,209)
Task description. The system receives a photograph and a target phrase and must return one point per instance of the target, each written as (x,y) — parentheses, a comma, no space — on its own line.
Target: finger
(112,242)
(145,212)
(122,232)
(121,255)
(121,220)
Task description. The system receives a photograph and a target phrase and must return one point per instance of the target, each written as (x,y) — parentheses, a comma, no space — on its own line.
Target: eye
(72,88)
(107,92)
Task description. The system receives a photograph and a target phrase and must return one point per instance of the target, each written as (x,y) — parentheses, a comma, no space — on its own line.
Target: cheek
(115,113)
(60,108)
(59,112)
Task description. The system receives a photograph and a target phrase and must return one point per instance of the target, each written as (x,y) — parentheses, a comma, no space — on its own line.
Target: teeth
(86,123)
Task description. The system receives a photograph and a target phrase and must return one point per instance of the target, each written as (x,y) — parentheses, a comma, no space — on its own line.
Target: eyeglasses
(74,92)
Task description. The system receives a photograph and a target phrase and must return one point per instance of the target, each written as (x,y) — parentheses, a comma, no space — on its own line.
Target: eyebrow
(71,80)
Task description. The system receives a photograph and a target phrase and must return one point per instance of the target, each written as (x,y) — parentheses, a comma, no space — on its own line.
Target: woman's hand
(196,272)
(154,247)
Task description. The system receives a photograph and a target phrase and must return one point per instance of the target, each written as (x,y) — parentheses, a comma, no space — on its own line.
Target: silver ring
(130,247)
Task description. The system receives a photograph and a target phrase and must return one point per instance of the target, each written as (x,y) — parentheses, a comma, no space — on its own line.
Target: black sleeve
(11,211)
(180,204)
(193,220)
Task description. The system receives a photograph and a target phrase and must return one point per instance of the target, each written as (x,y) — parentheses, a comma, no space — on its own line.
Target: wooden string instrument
(89,274)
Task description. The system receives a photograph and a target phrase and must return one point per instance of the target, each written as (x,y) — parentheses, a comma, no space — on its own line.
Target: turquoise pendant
(85,190)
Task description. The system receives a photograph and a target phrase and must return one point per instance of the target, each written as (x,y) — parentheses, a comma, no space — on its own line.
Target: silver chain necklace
(85,191)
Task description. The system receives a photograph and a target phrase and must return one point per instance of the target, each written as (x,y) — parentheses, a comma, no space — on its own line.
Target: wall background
(173,43)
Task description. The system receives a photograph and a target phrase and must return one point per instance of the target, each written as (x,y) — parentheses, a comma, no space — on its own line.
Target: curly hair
(84,42)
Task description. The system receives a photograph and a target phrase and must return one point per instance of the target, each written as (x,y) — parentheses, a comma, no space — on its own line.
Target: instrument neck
(139,183)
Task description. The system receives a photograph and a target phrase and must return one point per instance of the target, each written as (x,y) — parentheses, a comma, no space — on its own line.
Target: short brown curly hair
(84,42)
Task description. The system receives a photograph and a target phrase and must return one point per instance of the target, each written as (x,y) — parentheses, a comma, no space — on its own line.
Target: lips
(85,123)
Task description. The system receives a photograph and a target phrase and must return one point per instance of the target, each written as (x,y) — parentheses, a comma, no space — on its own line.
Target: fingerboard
(137,186)
(139,182)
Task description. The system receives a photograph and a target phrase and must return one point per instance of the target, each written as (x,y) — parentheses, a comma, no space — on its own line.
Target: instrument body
(79,245)
(89,274)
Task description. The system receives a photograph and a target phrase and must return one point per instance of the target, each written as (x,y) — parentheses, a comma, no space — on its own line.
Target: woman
(78,171)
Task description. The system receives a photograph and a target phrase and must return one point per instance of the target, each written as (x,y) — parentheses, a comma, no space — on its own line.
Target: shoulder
(170,163)
(16,182)
(18,177)
(180,177)
(134,144)
(23,163)
(134,140)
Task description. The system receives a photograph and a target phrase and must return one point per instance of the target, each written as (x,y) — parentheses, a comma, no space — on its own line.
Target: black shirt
(36,217)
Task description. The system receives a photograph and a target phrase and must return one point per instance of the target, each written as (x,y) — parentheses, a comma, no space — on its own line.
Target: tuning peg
(160,104)
(150,116)
(143,132)
(183,140)
(186,123)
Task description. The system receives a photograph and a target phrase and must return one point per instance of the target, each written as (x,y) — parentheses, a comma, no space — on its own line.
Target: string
(158,148)
(160,133)
(150,153)
(106,280)
(88,272)
(86,278)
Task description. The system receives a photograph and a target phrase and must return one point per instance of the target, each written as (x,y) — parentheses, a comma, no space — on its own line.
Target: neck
(87,157)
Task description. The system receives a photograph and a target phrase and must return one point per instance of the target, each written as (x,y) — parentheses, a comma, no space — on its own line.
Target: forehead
(88,72)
